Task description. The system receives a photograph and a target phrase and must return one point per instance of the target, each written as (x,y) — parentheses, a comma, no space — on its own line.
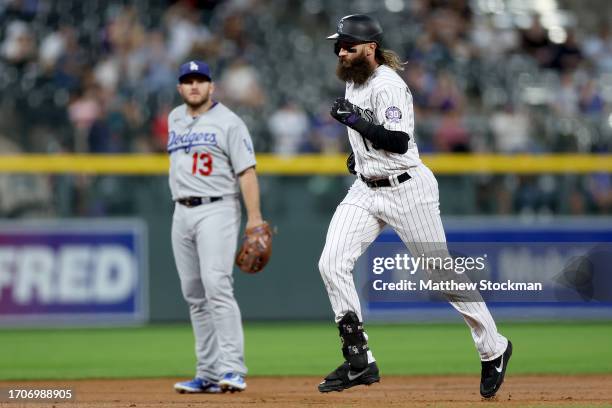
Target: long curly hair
(390,58)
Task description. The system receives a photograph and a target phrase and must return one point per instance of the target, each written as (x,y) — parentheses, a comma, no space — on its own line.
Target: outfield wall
(291,288)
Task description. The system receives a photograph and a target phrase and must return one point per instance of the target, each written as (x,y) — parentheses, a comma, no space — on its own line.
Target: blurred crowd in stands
(486,76)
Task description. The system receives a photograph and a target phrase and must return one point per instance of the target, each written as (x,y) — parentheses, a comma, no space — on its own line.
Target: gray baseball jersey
(207,152)
(384,100)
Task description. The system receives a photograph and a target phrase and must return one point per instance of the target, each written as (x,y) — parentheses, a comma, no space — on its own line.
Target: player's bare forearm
(250,194)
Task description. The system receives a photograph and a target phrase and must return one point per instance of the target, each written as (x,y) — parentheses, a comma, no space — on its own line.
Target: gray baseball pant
(204,240)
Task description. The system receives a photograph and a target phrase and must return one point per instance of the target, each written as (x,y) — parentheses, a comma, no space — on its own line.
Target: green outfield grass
(299,349)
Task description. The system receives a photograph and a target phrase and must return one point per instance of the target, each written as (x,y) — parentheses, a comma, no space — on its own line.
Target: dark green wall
(300,208)
(290,287)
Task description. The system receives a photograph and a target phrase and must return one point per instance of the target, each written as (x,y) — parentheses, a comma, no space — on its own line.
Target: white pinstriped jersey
(411,208)
(384,100)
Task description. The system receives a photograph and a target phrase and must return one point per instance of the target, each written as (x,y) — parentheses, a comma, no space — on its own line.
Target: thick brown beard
(358,71)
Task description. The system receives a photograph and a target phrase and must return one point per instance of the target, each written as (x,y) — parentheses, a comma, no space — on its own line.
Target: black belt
(195,201)
(385,182)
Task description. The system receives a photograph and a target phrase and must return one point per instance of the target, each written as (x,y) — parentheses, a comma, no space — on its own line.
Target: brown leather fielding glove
(256,248)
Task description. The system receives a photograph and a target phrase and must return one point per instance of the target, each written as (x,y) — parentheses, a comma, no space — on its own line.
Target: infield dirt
(290,392)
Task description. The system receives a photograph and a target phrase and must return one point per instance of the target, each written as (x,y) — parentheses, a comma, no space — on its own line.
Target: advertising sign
(73,272)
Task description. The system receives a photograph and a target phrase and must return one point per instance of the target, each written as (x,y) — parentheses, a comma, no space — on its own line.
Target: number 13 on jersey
(202,164)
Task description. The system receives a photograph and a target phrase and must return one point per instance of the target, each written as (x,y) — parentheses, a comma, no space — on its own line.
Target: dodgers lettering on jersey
(207,152)
(383,100)
(188,140)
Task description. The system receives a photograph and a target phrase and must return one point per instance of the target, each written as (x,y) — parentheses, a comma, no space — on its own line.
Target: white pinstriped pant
(412,210)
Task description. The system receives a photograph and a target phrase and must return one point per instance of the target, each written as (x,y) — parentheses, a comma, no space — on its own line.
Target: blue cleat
(198,385)
(232,382)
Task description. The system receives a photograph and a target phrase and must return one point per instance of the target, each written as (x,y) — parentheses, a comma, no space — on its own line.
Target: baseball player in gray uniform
(393,187)
(211,160)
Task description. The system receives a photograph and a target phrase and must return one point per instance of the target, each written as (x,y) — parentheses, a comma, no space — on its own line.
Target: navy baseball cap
(194,68)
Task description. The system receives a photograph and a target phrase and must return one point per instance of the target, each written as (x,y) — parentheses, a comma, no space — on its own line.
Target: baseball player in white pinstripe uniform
(393,187)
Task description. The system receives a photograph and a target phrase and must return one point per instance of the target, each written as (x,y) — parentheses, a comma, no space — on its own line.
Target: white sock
(371,358)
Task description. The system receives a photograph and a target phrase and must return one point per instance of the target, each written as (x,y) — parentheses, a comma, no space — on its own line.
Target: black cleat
(343,377)
(493,372)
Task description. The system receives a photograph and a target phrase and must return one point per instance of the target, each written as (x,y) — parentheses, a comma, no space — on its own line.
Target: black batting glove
(345,112)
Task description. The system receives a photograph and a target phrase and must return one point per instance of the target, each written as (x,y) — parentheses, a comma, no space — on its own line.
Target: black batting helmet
(358,28)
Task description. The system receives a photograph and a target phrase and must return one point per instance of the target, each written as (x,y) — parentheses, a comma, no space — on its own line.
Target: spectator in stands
(84,110)
(446,95)
(598,48)
(18,47)
(511,129)
(565,100)
(452,135)
(70,63)
(289,126)
(567,56)
(327,136)
(240,85)
(490,42)
(421,84)
(535,42)
(54,45)
(184,30)
(591,101)
(159,70)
